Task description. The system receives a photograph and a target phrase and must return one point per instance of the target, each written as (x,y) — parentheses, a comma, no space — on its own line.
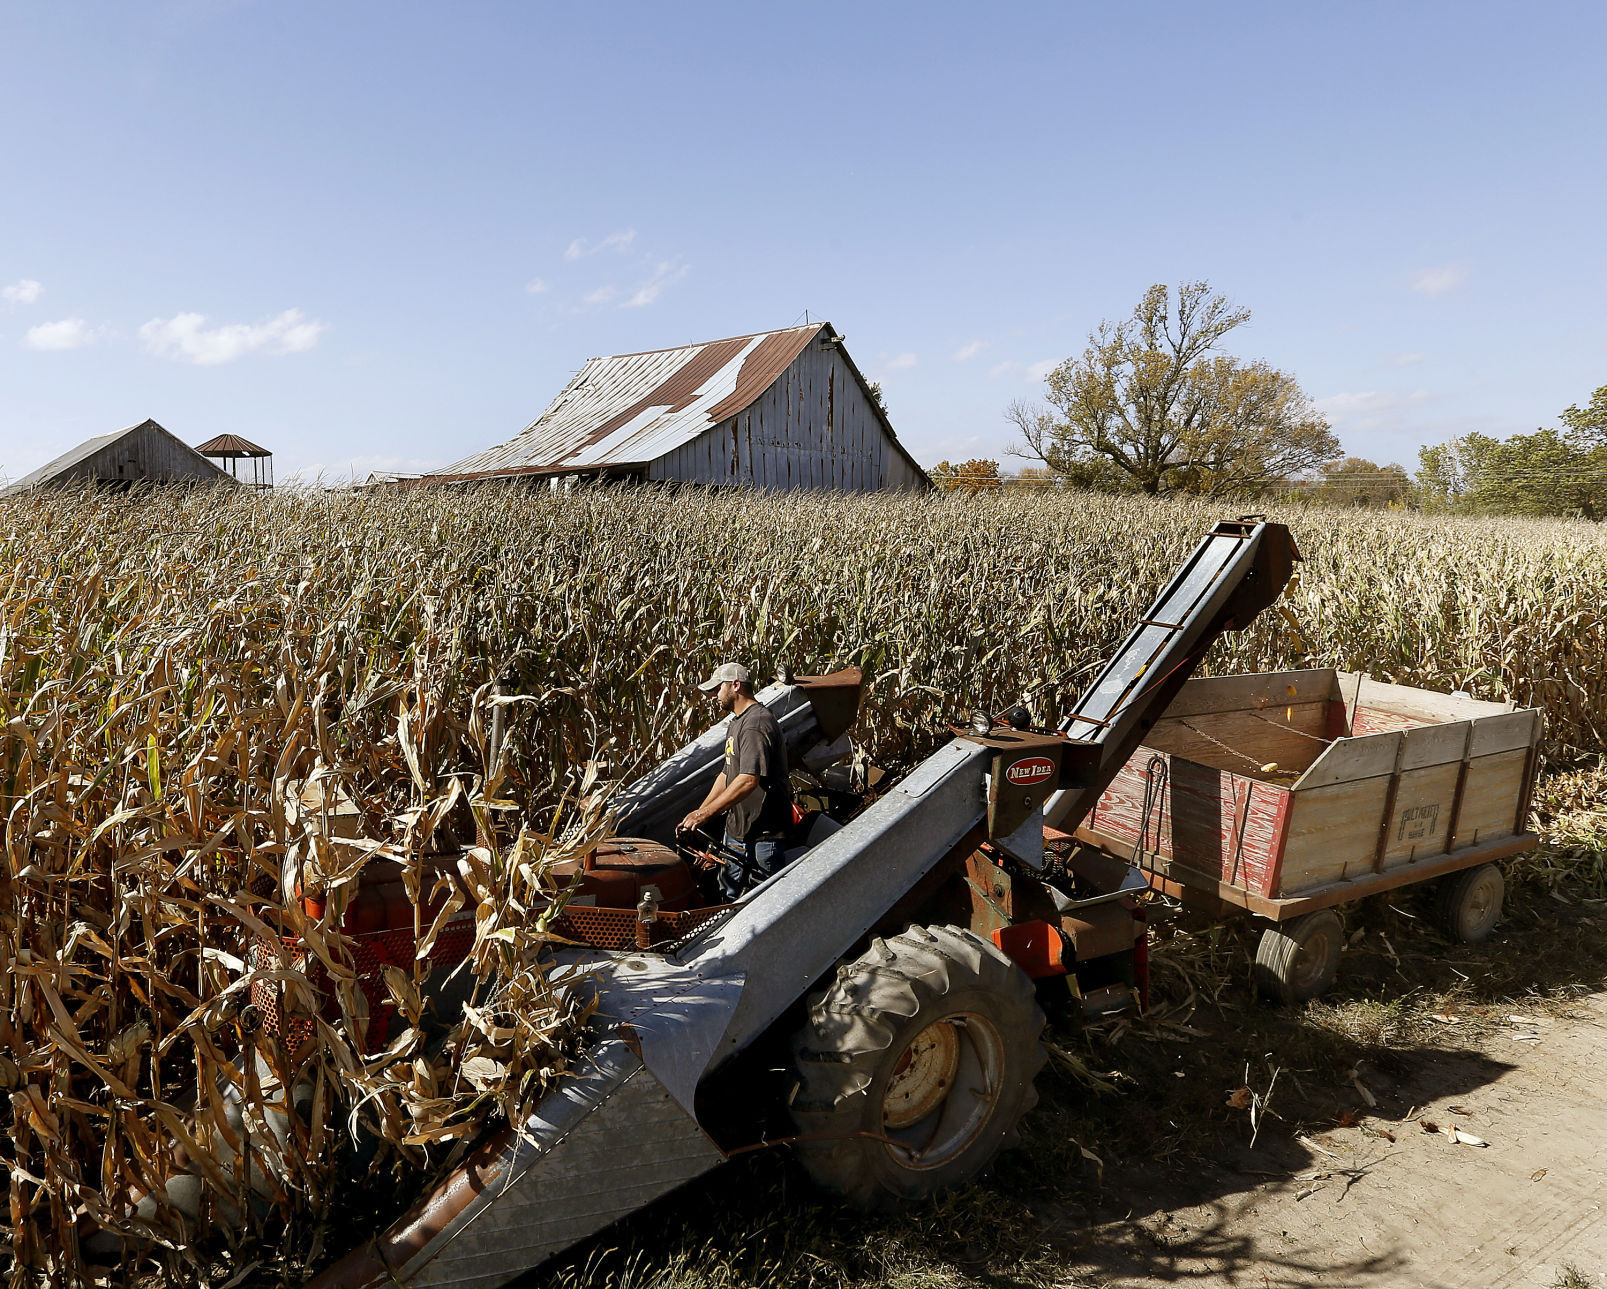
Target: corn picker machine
(874,1004)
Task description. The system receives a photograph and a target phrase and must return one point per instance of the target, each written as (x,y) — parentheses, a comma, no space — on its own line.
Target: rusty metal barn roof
(633,408)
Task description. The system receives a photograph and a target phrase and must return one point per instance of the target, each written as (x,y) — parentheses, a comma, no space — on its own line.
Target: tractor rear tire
(914,1067)
(1298,960)
(1469,903)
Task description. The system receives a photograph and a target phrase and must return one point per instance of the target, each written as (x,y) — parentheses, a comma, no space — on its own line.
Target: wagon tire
(1298,960)
(914,1067)
(1469,903)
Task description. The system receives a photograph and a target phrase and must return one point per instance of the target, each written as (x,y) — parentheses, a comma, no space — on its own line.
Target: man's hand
(693,820)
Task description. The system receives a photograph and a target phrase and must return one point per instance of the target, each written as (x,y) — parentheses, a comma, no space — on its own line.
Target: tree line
(1154,405)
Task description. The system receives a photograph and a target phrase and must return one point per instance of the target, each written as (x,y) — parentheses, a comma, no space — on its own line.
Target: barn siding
(815,427)
(146,454)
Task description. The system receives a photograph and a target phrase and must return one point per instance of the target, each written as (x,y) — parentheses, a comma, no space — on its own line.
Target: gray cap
(724,672)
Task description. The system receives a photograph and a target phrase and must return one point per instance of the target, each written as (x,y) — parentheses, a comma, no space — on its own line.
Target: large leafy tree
(1152,405)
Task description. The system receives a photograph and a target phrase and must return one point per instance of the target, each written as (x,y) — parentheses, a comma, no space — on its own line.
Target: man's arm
(690,820)
(715,789)
(721,798)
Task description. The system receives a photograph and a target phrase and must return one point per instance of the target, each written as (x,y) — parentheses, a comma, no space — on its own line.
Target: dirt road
(1351,1207)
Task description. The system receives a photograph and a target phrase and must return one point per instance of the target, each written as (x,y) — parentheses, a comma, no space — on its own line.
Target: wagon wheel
(1469,903)
(1299,959)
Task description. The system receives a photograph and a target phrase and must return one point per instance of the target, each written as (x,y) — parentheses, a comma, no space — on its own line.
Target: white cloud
(187,338)
(666,273)
(69,333)
(1407,359)
(1369,402)
(900,362)
(613,242)
(1030,373)
(23,292)
(1437,282)
(969,350)
(536,286)
(1372,409)
(602,295)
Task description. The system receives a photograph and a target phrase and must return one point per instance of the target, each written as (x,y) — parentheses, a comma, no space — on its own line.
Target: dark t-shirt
(753,745)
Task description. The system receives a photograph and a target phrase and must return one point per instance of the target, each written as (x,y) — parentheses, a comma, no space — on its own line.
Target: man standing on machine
(752,789)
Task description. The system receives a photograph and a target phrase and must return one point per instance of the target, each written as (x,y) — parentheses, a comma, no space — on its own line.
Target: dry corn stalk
(188,680)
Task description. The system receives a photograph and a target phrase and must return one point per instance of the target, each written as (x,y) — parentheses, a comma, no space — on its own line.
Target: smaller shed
(143,453)
(233,449)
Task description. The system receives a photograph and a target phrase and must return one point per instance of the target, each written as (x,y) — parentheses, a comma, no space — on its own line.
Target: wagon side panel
(1225,827)
(1333,833)
(1495,785)
(1422,801)
(1213,826)
(1420,823)
(1290,736)
(1119,816)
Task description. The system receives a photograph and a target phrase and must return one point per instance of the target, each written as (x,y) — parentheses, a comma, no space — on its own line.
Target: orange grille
(371,953)
(616,928)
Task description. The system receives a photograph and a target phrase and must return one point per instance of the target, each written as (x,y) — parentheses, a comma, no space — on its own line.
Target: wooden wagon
(1283,795)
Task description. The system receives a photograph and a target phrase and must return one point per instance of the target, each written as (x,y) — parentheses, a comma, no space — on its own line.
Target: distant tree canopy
(1549,472)
(1544,473)
(1356,481)
(969,477)
(1151,406)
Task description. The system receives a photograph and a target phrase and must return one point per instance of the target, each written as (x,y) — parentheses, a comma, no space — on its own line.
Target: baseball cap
(724,672)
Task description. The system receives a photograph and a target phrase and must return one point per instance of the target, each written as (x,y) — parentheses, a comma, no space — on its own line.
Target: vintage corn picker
(891,970)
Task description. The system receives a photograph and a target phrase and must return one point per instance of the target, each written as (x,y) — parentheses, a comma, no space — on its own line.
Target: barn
(777,409)
(142,453)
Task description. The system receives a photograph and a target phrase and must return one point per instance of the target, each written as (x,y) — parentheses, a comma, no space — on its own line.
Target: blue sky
(384,235)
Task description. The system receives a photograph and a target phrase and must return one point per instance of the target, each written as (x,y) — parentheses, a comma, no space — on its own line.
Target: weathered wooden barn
(780,409)
(143,453)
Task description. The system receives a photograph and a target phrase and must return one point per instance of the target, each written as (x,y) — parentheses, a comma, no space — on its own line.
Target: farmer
(752,789)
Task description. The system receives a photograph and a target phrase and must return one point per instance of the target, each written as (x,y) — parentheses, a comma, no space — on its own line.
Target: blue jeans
(747,864)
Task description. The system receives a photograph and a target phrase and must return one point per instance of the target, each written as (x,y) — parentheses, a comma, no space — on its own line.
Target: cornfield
(190,680)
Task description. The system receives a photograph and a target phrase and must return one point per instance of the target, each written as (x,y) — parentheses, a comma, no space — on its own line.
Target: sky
(383,236)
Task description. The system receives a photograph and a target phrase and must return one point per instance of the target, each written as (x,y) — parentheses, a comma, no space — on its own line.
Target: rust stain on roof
(759,371)
(677,392)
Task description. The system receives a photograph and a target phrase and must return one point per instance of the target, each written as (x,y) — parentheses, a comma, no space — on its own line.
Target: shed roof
(73,456)
(629,409)
(231,445)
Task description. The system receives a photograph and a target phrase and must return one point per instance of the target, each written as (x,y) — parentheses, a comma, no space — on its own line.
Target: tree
(1037,476)
(969,477)
(1356,481)
(1588,424)
(876,395)
(1152,406)
(1447,473)
(1544,473)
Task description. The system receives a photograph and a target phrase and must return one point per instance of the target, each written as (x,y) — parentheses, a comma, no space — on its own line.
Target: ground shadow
(1149,1178)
